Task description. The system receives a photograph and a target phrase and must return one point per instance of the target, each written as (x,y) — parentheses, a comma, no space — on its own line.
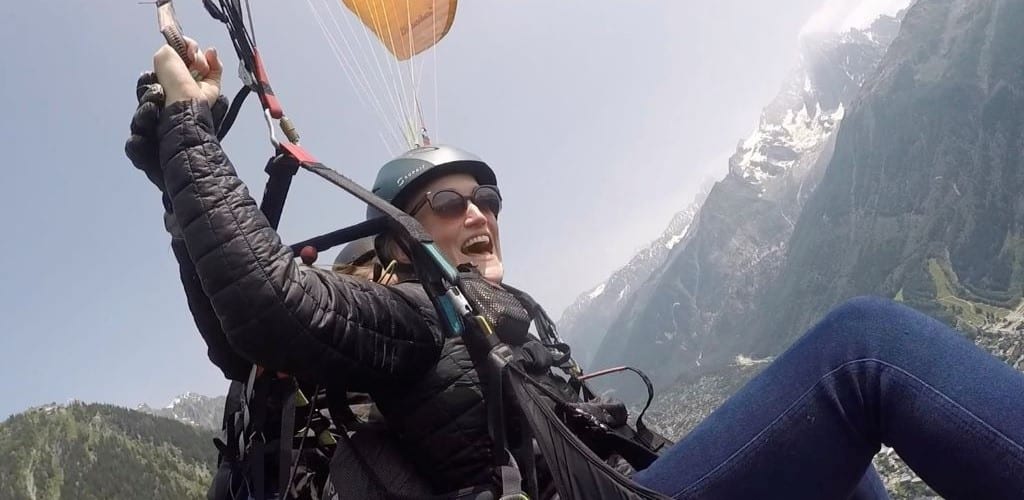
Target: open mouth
(478,245)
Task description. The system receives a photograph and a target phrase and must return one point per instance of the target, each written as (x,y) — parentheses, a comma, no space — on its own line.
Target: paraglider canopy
(382,47)
(405,27)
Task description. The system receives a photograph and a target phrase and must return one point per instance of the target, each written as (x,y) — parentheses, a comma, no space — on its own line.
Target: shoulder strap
(549,336)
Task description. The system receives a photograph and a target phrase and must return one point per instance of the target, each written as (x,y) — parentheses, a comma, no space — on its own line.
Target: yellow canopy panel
(406,27)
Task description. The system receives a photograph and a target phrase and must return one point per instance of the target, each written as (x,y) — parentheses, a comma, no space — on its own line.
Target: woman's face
(468,238)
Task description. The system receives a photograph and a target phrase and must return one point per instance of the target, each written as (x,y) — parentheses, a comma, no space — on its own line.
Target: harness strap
(344,235)
(286,460)
(229,118)
(648,437)
(494,400)
(511,481)
(280,170)
(253,433)
(243,428)
(549,335)
(525,455)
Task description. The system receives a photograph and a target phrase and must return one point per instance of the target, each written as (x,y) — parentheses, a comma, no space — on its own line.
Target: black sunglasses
(451,203)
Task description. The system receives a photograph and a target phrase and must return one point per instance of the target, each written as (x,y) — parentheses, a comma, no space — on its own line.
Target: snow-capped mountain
(920,202)
(585,322)
(811,103)
(684,318)
(191,408)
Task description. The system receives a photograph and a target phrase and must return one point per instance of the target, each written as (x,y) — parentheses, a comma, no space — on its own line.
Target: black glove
(143,146)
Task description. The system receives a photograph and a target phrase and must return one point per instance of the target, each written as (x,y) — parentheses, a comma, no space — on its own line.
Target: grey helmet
(355,252)
(401,177)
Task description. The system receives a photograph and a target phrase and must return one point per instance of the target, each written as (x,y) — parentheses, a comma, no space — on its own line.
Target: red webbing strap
(299,153)
(263,88)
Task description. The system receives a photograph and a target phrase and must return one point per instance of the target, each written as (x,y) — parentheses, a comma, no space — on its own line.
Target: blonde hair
(369,269)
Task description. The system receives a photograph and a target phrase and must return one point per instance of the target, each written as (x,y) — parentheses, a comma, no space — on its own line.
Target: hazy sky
(601,117)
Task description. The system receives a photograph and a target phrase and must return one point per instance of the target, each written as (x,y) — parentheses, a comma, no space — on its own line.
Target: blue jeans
(872,372)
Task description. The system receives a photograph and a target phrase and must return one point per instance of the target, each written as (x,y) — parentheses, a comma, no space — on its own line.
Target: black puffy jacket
(254,304)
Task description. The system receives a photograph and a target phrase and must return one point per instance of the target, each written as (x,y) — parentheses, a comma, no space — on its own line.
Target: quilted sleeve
(310,323)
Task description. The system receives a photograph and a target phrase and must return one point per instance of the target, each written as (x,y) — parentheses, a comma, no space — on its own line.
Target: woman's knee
(866,309)
(867,324)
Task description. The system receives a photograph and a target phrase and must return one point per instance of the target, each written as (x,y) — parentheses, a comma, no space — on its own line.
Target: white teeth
(483,238)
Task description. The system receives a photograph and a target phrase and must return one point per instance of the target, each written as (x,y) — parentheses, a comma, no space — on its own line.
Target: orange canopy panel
(406,27)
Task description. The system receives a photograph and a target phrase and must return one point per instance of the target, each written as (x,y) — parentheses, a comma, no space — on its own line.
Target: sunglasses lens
(488,198)
(448,203)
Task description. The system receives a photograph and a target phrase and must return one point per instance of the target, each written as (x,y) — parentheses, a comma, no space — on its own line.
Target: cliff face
(687,318)
(921,200)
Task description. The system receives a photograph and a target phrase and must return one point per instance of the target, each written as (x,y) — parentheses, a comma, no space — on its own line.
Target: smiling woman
(870,372)
(462,195)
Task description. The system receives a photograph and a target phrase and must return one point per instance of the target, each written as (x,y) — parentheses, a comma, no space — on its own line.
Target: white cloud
(841,15)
